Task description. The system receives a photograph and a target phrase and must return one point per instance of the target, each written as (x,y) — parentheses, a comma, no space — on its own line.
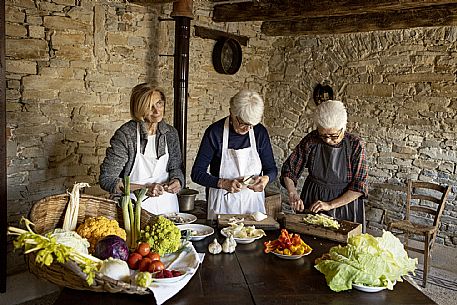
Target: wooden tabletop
(250,276)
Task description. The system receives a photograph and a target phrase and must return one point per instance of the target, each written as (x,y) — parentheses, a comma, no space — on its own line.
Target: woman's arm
(112,167)
(175,166)
(205,155)
(344,199)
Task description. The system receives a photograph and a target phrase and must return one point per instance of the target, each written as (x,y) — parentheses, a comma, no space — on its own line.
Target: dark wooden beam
(271,10)
(3,185)
(147,2)
(216,35)
(445,15)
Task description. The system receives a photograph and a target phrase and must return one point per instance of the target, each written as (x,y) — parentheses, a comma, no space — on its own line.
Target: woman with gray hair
(337,168)
(236,148)
(146,149)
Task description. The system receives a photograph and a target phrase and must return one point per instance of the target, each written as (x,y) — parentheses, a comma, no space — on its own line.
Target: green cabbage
(367,260)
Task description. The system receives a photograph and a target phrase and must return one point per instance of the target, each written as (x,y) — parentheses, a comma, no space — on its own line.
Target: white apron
(234,164)
(146,170)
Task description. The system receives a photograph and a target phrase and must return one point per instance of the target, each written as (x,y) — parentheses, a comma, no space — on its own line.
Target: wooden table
(250,276)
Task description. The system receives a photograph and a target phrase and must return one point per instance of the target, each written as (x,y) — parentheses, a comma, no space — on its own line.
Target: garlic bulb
(229,245)
(214,247)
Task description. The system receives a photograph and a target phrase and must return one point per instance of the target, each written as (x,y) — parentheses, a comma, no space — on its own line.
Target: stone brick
(419,77)
(15,30)
(63,38)
(66,23)
(27,49)
(14,14)
(36,31)
(21,66)
(36,82)
(370,90)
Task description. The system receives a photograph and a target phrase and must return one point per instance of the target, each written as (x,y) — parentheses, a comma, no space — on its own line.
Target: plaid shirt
(303,157)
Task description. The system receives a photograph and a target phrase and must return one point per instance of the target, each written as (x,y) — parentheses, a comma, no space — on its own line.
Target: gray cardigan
(120,156)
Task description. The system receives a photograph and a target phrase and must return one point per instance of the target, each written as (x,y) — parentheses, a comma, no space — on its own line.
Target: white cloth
(146,170)
(235,164)
(184,261)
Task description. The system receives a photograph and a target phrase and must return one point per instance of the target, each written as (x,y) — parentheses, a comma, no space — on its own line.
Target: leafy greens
(366,260)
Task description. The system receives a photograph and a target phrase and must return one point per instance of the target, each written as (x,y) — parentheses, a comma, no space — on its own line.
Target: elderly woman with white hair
(236,148)
(337,168)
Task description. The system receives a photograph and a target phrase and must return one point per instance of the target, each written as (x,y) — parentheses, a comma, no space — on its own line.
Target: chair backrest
(426,197)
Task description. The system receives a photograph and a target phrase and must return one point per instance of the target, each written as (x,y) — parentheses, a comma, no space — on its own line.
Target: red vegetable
(156,266)
(112,246)
(134,261)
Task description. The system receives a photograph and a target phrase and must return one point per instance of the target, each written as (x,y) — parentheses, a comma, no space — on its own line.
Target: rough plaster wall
(399,88)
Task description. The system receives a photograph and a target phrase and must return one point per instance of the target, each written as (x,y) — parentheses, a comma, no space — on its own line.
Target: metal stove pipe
(182,14)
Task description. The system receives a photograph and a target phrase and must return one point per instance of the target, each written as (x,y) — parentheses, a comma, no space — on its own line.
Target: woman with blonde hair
(146,149)
(337,167)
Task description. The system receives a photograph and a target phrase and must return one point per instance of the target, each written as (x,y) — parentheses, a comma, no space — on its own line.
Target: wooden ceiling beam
(270,10)
(444,15)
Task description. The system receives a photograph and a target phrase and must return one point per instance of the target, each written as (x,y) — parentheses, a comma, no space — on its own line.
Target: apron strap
(225,134)
(138,138)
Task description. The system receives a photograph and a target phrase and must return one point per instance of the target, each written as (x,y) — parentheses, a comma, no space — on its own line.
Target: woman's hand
(173,187)
(259,183)
(295,202)
(154,189)
(320,206)
(230,185)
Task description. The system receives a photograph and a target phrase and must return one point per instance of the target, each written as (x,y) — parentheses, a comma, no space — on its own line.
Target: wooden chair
(424,200)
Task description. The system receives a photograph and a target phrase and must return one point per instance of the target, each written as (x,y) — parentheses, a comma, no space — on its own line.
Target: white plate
(240,240)
(198,232)
(367,288)
(169,279)
(180,218)
(284,256)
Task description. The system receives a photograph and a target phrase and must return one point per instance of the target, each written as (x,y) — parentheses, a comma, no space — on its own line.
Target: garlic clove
(258,216)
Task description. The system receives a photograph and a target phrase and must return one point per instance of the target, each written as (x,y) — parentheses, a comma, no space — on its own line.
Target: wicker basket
(48,214)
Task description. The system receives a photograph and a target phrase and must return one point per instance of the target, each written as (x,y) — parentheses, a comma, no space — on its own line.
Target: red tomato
(143,249)
(134,260)
(156,266)
(144,264)
(153,256)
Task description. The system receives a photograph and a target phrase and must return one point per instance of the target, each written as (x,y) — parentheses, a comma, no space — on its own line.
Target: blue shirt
(210,152)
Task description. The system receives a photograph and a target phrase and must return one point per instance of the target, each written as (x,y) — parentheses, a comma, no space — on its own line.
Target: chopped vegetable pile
(238,230)
(366,260)
(287,244)
(321,220)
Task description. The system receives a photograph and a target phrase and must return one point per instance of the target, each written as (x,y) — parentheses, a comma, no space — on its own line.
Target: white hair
(331,114)
(248,106)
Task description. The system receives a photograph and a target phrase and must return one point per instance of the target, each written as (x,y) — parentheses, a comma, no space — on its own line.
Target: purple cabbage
(112,246)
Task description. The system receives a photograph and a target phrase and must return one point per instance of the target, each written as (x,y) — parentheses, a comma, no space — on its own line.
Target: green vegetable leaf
(367,260)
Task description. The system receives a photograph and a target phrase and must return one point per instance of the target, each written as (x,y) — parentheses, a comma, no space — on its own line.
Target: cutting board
(294,222)
(267,224)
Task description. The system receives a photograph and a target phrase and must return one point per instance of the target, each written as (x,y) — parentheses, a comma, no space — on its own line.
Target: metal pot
(186,199)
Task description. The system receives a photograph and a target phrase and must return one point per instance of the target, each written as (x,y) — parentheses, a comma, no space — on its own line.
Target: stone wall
(400,91)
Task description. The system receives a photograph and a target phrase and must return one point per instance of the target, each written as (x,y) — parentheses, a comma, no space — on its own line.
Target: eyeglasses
(332,137)
(243,124)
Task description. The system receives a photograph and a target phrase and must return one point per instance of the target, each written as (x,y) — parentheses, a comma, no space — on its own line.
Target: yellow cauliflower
(95,228)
